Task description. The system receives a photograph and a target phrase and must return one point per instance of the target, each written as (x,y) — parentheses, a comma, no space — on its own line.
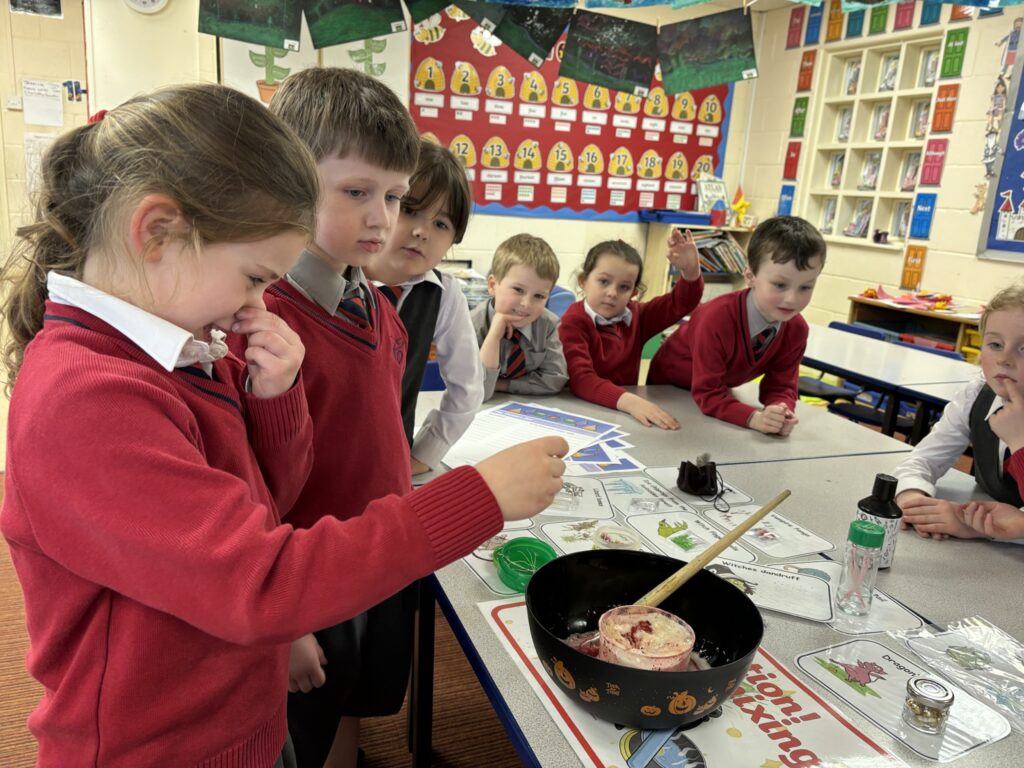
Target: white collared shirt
(170,346)
(933,456)
(626,316)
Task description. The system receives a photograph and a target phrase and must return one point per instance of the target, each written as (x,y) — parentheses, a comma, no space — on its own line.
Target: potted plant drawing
(272,74)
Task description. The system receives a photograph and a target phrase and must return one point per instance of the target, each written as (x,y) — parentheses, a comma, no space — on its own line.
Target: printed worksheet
(774,589)
(774,535)
(684,535)
(633,494)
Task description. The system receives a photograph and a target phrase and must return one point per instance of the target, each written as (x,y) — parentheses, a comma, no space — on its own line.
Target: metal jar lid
(929,692)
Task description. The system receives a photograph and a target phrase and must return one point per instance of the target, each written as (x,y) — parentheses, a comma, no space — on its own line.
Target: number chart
(534,143)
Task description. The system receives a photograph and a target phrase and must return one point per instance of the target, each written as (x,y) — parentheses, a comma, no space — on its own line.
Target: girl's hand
(1008,421)
(274,353)
(936,518)
(305,665)
(994,519)
(682,254)
(646,412)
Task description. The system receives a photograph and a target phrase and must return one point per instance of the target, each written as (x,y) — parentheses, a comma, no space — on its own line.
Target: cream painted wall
(951,265)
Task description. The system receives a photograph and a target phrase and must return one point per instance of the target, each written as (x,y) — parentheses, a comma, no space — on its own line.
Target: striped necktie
(762,340)
(392,293)
(515,361)
(355,308)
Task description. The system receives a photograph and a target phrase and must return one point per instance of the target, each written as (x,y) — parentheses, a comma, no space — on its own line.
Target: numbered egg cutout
(429,75)
(463,149)
(431,137)
(456,14)
(649,166)
(678,167)
(465,80)
(703,166)
(684,107)
(710,110)
(495,154)
(429,30)
(656,103)
(500,83)
(534,88)
(528,156)
(590,160)
(627,103)
(621,162)
(560,158)
(565,93)
(596,97)
(484,42)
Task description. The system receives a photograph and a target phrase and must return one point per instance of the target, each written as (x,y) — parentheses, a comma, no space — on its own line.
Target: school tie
(392,293)
(355,308)
(515,361)
(1007,453)
(762,340)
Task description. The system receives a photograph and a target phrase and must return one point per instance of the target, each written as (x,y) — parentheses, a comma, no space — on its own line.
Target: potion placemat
(804,729)
(667,476)
(774,536)
(774,589)
(872,679)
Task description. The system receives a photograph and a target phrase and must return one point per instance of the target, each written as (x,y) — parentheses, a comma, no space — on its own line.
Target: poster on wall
(537,143)
(332,22)
(532,32)
(257,70)
(614,53)
(49,8)
(1005,230)
(274,23)
(711,50)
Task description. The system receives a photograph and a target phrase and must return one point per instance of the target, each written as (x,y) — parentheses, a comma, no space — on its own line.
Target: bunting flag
(710,50)
(611,52)
(858,5)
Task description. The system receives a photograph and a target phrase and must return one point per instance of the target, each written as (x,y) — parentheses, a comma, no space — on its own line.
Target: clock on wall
(146,6)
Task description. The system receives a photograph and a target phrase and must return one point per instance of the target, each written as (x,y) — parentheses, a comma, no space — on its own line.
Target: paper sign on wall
(854,24)
(945,107)
(792,161)
(934,161)
(813,33)
(913,267)
(803,81)
(796,26)
(921,218)
(904,17)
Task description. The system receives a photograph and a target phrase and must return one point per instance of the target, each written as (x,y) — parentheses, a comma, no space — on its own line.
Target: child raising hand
(604,334)
(987,414)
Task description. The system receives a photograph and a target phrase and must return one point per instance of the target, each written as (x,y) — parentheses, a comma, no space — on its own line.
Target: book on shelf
(718,252)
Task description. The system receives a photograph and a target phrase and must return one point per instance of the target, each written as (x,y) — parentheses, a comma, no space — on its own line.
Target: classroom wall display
(913,267)
(614,53)
(878,22)
(786,196)
(537,143)
(854,24)
(796,26)
(257,70)
(799,118)
(532,32)
(274,23)
(931,12)
(332,22)
(1004,234)
(806,76)
(710,50)
(834,30)
(813,32)
(922,215)
(953,53)
(904,17)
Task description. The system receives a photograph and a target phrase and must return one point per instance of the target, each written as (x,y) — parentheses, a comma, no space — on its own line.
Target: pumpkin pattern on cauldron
(650,710)
(590,695)
(563,675)
(681,703)
(709,704)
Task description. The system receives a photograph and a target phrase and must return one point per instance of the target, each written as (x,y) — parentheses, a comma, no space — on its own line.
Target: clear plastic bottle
(881,508)
(860,567)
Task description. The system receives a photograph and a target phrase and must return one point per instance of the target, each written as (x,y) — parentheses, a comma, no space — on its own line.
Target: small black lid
(884,488)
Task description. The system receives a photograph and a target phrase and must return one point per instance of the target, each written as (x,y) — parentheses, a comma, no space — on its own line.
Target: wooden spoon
(680,577)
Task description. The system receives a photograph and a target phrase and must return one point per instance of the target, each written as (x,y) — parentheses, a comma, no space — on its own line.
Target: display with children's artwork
(610,52)
(869,170)
(536,143)
(709,50)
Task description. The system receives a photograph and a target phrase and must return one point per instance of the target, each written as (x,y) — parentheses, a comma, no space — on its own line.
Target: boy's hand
(274,353)
(490,348)
(305,665)
(936,518)
(791,421)
(994,519)
(646,412)
(770,420)
(682,254)
(418,467)
(501,325)
(1008,421)
(904,498)
(525,478)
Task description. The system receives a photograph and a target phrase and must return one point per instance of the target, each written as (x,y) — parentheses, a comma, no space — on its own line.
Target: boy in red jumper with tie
(366,147)
(758,330)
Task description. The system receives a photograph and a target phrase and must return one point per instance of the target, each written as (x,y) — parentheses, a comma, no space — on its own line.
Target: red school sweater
(602,359)
(353,382)
(161,592)
(714,352)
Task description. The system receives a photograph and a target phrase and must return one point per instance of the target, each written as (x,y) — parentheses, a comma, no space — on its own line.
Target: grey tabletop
(941,580)
(937,394)
(881,361)
(818,434)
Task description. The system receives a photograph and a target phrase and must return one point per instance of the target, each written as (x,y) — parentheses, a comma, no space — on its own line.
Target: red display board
(537,144)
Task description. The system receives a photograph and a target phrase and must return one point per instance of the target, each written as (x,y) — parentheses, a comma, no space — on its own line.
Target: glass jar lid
(930,692)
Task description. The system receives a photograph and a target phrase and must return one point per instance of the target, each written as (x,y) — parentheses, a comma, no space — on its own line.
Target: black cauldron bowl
(569,595)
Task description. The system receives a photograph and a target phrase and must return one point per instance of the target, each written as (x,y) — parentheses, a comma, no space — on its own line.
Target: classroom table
(930,398)
(880,365)
(819,434)
(941,580)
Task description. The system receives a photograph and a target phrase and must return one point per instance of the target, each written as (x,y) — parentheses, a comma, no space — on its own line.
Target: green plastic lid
(518,559)
(865,534)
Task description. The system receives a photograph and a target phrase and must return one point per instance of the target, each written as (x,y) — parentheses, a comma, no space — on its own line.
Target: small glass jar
(928,704)
(860,568)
